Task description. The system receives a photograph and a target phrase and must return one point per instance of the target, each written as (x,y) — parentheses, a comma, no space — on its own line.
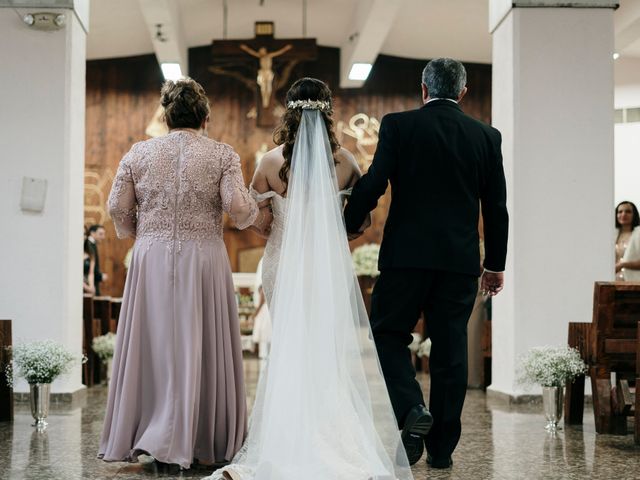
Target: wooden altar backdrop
(122,97)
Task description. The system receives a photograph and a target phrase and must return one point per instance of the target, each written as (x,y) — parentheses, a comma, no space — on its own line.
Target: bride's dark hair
(285,134)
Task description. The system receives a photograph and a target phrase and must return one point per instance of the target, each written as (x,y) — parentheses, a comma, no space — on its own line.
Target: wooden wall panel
(122,96)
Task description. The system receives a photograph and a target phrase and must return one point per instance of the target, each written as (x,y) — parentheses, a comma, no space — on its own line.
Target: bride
(322,411)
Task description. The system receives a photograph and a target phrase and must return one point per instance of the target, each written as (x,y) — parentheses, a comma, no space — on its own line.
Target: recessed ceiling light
(359,71)
(171,71)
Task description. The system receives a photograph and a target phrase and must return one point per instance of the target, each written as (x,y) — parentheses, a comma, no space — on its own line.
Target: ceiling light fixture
(359,71)
(616,55)
(171,71)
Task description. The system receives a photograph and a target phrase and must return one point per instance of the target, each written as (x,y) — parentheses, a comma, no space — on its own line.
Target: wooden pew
(116,305)
(608,345)
(90,329)
(636,429)
(102,311)
(6,392)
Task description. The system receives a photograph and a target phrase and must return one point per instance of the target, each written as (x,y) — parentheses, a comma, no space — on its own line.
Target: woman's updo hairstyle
(285,134)
(185,103)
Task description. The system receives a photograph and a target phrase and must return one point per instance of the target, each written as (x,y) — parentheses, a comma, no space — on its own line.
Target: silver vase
(553,403)
(40,403)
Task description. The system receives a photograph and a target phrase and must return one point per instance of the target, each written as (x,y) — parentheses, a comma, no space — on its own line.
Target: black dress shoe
(439,462)
(416,426)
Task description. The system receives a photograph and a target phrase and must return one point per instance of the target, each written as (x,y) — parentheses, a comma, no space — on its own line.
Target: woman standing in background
(627,242)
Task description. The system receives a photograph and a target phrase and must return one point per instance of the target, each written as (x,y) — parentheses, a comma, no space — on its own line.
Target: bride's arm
(356,174)
(259,187)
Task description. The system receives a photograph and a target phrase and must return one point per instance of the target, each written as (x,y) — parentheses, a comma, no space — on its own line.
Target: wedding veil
(322,411)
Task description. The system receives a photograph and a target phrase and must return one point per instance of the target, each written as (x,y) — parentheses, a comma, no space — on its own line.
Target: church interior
(560,80)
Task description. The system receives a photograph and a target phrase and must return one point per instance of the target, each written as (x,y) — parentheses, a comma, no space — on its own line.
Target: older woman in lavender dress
(177,390)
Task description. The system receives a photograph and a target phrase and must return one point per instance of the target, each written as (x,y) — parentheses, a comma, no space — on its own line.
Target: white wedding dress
(322,410)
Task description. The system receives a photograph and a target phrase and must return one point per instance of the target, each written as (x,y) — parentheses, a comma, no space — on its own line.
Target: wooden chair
(608,344)
(6,392)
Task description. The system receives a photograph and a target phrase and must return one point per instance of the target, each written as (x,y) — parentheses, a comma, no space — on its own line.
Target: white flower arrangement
(425,349)
(365,260)
(551,366)
(419,347)
(104,346)
(414,346)
(40,362)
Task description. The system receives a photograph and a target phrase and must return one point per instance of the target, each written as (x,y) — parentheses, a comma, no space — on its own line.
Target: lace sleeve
(236,200)
(122,204)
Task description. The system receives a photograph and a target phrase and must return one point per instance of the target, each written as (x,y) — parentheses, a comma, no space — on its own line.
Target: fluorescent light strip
(359,71)
(171,71)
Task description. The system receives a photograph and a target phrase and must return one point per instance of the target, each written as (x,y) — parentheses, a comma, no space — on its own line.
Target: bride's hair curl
(304,93)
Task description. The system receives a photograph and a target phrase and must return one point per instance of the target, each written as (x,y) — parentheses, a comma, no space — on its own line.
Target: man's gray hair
(444,78)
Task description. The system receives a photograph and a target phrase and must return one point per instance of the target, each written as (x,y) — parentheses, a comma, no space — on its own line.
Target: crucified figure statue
(265,72)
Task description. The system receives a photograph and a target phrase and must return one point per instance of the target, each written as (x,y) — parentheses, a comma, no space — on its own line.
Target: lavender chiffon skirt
(177,389)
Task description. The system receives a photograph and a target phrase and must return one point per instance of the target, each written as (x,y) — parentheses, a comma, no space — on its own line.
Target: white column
(553,103)
(42,133)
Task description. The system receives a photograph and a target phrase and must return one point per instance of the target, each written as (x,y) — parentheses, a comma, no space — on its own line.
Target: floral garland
(321,105)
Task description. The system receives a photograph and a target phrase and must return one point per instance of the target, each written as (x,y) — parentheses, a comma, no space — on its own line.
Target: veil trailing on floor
(322,411)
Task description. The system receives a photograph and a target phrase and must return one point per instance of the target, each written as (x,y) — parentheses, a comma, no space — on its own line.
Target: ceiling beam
(627,21)
(371,23)
(169,42)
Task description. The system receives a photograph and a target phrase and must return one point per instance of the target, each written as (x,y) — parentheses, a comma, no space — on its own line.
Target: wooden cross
(271,63)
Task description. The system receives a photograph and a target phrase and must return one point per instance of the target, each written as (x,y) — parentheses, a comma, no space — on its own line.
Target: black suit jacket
(442,164)
(97,273)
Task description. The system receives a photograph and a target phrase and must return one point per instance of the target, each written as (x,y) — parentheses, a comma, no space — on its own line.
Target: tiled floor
(498,442)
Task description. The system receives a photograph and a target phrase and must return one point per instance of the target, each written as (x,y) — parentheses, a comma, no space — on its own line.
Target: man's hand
(491,283)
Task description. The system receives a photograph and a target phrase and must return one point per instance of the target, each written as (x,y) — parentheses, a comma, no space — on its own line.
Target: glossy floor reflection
(498,442)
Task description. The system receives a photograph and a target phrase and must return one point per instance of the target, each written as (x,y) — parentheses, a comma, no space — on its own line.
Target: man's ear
(462,93)
(425,93)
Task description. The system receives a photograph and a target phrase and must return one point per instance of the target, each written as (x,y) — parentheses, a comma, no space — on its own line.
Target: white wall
(42,136)
(627,135)
(558,152)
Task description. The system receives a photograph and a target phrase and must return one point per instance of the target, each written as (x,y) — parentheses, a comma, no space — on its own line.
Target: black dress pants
(447,300)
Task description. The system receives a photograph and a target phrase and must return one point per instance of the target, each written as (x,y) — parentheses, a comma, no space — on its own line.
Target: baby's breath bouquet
(425,348)
(365,259)
(104,346)
(551,366)
(41,362)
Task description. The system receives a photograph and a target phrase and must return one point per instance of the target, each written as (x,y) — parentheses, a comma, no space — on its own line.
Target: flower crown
(321,105)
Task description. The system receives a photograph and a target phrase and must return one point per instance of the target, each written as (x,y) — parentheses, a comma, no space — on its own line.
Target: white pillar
(553,103)
(42,112)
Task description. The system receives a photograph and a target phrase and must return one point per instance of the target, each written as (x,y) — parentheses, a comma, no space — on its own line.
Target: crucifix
(263,64)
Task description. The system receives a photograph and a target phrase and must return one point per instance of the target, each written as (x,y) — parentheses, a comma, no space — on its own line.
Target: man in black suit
(444,166)
(96,235)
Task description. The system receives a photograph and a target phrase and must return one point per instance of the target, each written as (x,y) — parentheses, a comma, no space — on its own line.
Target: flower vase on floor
(553,402)
(104,346)
(39,400)
(40,363)
(551,368)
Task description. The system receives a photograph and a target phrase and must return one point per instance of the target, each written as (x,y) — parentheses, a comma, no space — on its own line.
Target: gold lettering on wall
(364,130)
(96,188)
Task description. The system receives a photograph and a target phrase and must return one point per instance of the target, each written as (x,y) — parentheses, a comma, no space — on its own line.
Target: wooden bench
(609,345)
(6,392)
(91,328)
